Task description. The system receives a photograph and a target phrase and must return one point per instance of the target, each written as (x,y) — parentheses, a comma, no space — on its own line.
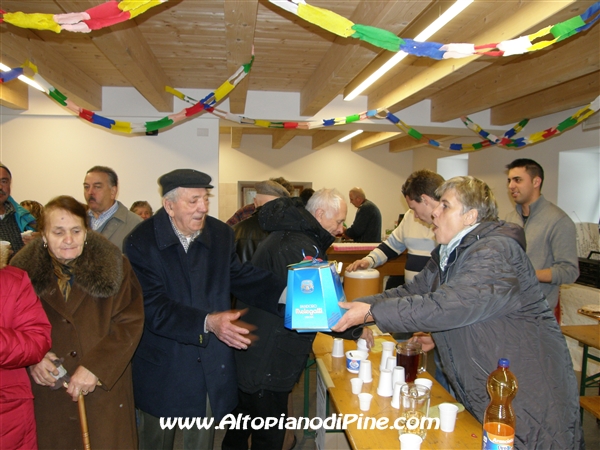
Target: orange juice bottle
(499,420)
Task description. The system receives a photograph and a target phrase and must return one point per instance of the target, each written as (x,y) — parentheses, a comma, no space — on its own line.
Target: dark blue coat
(176,363)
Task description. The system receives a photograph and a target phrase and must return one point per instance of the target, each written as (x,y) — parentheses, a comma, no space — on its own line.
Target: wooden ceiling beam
(14,95)
(368,140)
(344,60)
(21,44)
(497,84)
(126,48)
(240,25)
(325,138)
(282,137)
(406,143)
(564,96)
(499,27)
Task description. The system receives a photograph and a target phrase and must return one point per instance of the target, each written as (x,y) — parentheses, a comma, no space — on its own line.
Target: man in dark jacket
(248,233)
(367,223)
(479,297)
(187,266)
(268,370)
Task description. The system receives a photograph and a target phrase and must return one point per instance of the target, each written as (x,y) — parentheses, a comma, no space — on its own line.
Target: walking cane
(83,421)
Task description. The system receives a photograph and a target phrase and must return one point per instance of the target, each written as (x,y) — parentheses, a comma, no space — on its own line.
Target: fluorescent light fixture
(433,28)
(23,78)
(350,136)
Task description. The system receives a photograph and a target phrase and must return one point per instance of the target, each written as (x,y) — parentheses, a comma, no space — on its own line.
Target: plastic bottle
(499,420)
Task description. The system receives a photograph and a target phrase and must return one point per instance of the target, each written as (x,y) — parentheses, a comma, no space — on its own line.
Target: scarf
(64,274)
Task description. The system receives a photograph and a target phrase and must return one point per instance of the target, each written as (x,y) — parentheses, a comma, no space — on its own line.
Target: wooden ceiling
(200,43)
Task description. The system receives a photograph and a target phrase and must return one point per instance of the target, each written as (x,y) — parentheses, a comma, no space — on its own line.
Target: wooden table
(392,267)
(467,433)
(588,336)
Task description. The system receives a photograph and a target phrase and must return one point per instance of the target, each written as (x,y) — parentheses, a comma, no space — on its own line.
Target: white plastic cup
(338,348)
(385,383)
(364,371)
(387,345)
(448,413)
(385,355)
(364,401)
(410,441)
(424,382)
(398,375)
(396,395)
(391,363)
(357,384)
(361,344)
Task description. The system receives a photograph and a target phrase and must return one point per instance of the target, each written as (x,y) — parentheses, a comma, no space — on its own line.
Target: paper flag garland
(336,24)
(208,102)
(113,12)
(101,16)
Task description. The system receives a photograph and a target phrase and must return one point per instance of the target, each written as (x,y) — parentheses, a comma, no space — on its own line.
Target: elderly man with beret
(187,266)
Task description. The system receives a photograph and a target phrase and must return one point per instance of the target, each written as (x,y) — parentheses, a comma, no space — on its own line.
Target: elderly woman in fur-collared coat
(94,303)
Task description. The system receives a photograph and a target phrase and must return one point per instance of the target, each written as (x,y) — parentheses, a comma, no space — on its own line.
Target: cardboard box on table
(313,293)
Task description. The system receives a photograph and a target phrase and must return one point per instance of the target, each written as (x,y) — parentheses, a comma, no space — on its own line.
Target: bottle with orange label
(499,420)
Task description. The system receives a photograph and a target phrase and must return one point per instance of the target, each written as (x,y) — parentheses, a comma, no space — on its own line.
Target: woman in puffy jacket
(24,340)
(479,297)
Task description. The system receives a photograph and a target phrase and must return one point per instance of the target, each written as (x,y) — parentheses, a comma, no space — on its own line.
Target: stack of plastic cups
(388,352)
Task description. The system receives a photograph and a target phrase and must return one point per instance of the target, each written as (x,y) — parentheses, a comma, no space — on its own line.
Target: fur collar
(99,268)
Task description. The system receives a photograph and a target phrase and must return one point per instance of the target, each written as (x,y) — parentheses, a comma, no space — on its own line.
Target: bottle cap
(503,362)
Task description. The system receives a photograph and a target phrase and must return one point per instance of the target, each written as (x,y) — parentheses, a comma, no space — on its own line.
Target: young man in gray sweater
(550,232)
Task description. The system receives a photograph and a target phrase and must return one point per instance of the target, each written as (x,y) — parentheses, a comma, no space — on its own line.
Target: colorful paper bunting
(378,37)
(208,102)
(101,16)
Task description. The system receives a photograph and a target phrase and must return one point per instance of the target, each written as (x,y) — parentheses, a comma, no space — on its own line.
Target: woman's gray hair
(475,194)
(329,200)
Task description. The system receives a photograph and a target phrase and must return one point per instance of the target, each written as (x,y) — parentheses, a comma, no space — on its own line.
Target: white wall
(579,182)
(49,150)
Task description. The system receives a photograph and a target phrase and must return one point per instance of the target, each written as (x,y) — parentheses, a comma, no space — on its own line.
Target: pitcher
(411,356)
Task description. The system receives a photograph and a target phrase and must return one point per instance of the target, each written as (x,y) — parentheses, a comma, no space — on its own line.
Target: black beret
(187,178)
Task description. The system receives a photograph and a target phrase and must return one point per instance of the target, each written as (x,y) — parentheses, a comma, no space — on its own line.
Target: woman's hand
(41,372)
(359,264)
(82,381)
(356,315)
(425,339)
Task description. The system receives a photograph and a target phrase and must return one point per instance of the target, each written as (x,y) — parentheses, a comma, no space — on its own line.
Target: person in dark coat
(188,268)
(24,340)
(269,369)
(248,233)
(479,297)
(367,223)
(94,303)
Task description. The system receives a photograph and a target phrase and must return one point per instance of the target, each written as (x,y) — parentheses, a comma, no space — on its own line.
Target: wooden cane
(83,421)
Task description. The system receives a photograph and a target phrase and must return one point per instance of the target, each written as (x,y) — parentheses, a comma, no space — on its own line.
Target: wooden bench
(591,404)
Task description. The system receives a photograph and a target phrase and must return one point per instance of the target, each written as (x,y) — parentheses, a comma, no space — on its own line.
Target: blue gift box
(313,293)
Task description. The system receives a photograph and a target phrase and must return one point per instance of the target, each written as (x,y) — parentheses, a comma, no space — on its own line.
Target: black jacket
(248,234)
(276,360)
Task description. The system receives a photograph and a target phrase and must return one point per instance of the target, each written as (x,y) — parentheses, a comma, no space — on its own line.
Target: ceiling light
(23,78)
(433,28)
(350,136)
